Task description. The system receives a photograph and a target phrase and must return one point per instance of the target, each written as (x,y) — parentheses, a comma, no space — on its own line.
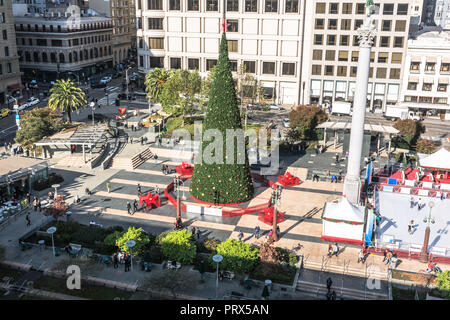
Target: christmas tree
(224,183)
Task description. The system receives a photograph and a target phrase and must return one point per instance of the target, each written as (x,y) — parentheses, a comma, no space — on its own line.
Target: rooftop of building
(430,37)
(13,164)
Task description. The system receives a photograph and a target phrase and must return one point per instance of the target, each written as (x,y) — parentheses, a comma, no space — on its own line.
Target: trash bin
(68,216)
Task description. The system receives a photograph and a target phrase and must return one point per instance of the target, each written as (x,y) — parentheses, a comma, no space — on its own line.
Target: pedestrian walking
(156,158)
(28,198)
(193,230)
(145,140)
(142,141)
(335,249)
(28,219)
(257,231)
(240,235)
(361,256)
(411,227)
(108,187)
(39,205)
(330,250)
(197,232)
(135,206)
(35,204)
(115,260)
(388,257)
(278,230)
(337,158)
(419,204)
(157,189)
(411,202)
(270,233)
(77,199)
(128,207)
(329,284)
(139,189)
(127,263)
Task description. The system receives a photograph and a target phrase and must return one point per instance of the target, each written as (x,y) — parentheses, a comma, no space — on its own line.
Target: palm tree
(155,81)
(66,96)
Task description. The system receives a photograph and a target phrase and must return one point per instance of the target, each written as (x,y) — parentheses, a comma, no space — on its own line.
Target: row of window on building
(430,67)
(331,40)
(59,28)
(346,24)
(343,55)
(85,54)
(427,84)
(267,67)
(347,8)
(62,43)
(8,68)
(342,71)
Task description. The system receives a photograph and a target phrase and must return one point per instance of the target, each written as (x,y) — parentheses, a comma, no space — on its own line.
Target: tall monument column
(352,183)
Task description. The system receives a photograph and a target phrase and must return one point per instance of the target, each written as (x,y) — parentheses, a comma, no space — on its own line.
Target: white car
(274,107)
(286,123)
(31,102)
(105,79)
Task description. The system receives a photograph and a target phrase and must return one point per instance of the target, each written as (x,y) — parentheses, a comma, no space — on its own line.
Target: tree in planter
(177,246)
(443,281)
(224,180)
(155,82)
(305,119)
(238,256)
(66,96)
(172,280)
(57,209)
(136,234)
(409,129)
(425,146)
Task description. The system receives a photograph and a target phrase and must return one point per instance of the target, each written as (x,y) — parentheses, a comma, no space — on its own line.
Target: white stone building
(442,14)
(427,74)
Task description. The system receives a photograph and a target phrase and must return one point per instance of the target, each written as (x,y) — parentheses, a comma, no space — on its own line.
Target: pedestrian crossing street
(111,98)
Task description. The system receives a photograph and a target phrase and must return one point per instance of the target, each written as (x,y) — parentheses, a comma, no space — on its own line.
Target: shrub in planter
(55,178)
(88,235)
(443,281)
(159,237)
(154,254)
(113,229)
(286,256)
(211,244)
(40,184)
(136,234)
(111,238)
(238,256)
(176,245)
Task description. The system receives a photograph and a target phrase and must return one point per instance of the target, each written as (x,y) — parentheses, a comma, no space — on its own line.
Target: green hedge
(177,245)
(238,256)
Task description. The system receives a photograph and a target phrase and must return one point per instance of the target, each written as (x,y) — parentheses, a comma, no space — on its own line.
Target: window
(320,7)
(330,55)
(3,17)
(445,67)
(360,8)
(291,6)
(232,45)
(400,25)
(271,6)
(288,69)
(331,40)
(355,55)
(141,61)
(383,57)
(251,5)
(232,5)
(329,70)
(370,72)
(9,68)
(346,24)
(427,86)
(5,35)
(210,63)
(398,42)
(412,85)
(174,5)
(211,5)
(344,40)
(347,8)
(193,5)
(394,73)
(233,25)
(250,66)
(425,99)
(1,69)
(268,68)
(316,69)
(56,43)
(334,8)
(155,23)
(402,9)
(319,24)
(440,100)
(353,71)
(388,9)
(233,65)
(317,54)
(156,43)
(355,41)
(415,66)
(429,66)
(396,57)
(332,24)
(193,64)
(384,42)
(343,56)
(175,63)
(342,71)
(140,43)
(156,62)
(386,25)
(318,39)
(410,99)
(154,4)
(6,52)
(442,87)
(381,73)
(42,42)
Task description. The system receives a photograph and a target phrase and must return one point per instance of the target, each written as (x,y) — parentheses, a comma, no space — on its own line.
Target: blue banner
(369,173)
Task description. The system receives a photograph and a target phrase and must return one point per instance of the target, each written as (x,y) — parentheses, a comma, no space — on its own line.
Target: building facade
(263,35)
(49,47)
(427,74)
(332,56)
(442,14)
(10,76)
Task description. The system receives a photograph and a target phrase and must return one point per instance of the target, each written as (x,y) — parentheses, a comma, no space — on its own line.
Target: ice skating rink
(396,212)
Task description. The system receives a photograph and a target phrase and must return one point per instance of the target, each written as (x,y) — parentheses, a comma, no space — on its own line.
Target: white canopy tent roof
(344,210)
(437,160)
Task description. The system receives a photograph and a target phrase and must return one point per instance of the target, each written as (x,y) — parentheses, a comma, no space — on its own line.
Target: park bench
(76,249)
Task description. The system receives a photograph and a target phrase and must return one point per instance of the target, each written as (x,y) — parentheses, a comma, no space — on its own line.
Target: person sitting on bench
(68,248)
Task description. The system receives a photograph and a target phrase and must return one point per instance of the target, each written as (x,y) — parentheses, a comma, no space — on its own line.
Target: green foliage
(305,119)
(159,237)
(443,281)
(283,275)
(138,235)
(88,235)
(425,146)
(224,181)
(287,256)
(66,96)
(238,256)
(36,124)
(154,254)
(410,131)
(112,238)
(155,81)
(177,246)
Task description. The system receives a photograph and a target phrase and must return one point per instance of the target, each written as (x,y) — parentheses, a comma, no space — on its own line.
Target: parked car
(32,101)
(4,112)
(98,85)
(106,79)
(273,106)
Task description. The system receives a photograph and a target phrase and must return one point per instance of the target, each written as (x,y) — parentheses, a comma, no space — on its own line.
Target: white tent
(438,160)
(343,222)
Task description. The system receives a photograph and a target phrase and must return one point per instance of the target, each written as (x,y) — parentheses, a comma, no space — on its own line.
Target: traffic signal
(117,102)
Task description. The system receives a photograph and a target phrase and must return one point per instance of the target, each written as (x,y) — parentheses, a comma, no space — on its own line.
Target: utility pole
(275,199)
(423,257)
(176,185)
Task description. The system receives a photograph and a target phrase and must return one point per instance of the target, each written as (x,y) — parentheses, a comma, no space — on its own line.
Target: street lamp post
(56,186)
(217,259)
(276,199)
(428,219)
(177,181)
(92,105)
(130,244)
(126,80)
(51,231)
